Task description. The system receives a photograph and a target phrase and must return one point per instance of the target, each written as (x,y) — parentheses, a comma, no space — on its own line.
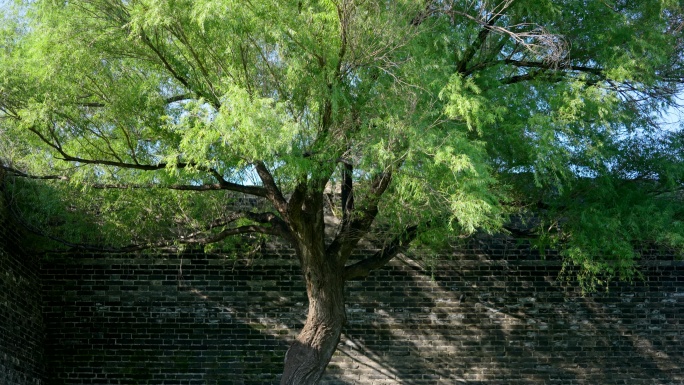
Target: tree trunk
(308,356)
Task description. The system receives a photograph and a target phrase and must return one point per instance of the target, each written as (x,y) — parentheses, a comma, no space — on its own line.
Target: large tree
(392,122)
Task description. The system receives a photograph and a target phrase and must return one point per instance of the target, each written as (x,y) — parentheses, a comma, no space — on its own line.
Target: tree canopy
(443,115)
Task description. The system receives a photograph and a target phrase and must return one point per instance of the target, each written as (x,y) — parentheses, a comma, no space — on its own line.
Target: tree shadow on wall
(487,319)
(505,319)
(263,307)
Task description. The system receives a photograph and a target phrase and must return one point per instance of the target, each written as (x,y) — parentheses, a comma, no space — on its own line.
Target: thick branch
(358,223)
(382,257)
(169,100)
(534,64)
(477,44)
(347,191)
(178,98)
(535,75)
(18,173)
(273,193)
(297,199)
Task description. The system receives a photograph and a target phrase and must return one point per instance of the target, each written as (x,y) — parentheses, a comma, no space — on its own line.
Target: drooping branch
(222,185)
(248,229)
(398,245)
(628,89)
(268,223)
(103,162)
(277,226)
(173,244)
(270,189)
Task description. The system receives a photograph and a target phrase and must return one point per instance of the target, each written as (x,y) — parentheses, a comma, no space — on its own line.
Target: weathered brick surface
(490,314)
(21,331)
(198,320)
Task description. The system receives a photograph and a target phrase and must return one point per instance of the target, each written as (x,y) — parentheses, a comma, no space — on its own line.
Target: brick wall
(21,331)
(491,314)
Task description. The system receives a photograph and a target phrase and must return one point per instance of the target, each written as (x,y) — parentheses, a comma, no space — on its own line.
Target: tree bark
(308,356)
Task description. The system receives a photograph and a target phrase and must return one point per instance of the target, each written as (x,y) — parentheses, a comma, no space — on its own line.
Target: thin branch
(277,82)
(320,59)
(45,140)
(277,227)
(343,17)
(164,61)
(250,190)
(182,79)
(170,245)
(180,35)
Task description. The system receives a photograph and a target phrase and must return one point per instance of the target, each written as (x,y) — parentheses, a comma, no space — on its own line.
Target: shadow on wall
(484,319)
(21,321)
(481,317)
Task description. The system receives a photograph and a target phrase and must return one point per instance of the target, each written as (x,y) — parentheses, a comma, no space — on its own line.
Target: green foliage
(144,116)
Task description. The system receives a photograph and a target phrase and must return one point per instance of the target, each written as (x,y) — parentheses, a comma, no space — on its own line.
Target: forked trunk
(308,356)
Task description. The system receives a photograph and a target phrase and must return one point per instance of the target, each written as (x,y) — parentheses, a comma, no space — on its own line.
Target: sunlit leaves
(553,104)
(465,102)
(246,129)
